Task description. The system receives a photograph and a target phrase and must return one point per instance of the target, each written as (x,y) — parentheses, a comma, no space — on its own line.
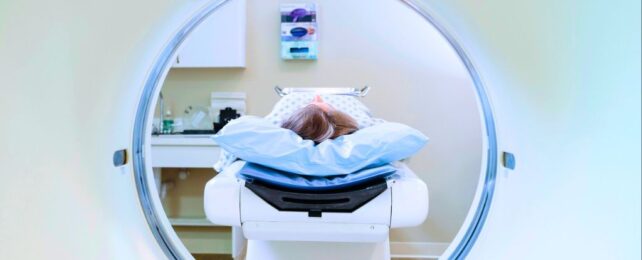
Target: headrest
(347,104)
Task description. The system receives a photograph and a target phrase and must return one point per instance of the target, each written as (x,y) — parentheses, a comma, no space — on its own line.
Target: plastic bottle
(168,123)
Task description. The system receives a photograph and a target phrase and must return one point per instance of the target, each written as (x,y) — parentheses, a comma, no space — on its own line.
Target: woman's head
(319,121)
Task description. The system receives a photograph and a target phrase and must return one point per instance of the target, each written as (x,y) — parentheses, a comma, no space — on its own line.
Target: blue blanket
(313,183)
(258,140)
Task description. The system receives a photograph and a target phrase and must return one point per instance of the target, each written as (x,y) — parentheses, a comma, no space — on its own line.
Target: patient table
(345,223)
(290,224)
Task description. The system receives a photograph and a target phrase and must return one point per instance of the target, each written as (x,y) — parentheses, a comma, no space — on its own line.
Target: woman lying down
(317,145)
(319,121)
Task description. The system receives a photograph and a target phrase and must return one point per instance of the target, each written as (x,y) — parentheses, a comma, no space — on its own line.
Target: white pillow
(347,104)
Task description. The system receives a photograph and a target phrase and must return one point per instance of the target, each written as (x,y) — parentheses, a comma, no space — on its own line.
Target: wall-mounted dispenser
(299,31)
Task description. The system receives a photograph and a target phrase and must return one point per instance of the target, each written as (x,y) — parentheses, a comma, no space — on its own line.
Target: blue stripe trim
(152,87)
(472,232)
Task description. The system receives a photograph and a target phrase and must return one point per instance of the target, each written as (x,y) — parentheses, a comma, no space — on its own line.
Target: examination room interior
(531,109)
(419,81)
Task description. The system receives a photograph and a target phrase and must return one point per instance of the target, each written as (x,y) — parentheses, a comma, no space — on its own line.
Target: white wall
(415,78)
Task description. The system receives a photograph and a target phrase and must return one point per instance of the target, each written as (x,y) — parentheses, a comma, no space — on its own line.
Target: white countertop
(192,140)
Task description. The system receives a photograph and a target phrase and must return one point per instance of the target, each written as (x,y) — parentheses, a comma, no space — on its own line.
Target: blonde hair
(313,123)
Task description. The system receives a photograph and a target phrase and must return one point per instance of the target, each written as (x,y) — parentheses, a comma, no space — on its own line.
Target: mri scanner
(559,92)
(281,220)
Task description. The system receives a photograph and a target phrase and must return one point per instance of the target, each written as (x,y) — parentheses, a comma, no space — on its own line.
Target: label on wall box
(299,31)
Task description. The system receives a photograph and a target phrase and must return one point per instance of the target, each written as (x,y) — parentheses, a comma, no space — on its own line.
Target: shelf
(183,140)
(184,151)
(192,222)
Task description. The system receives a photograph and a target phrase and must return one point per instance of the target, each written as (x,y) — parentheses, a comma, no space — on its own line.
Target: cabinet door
(218,42)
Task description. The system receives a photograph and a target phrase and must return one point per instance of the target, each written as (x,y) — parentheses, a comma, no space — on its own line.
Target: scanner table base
(286,234)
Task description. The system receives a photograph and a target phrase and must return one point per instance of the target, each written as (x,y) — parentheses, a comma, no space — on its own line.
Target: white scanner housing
(228,201)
